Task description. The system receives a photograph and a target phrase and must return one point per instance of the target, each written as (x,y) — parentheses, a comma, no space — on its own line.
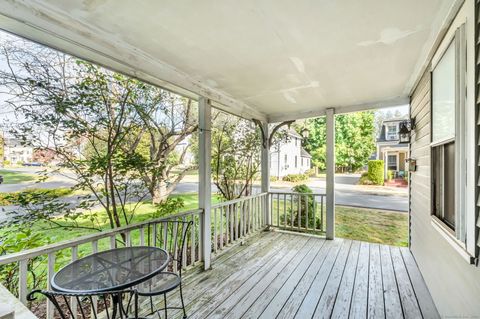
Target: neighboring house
(288,156)
(390,149)
(14,151)
(189,157)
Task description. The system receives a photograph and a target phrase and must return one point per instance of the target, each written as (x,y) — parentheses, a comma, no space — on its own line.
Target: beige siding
(453,283)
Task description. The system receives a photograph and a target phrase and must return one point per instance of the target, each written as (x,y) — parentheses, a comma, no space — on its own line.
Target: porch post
(205,172)
(266,172)
(330,231)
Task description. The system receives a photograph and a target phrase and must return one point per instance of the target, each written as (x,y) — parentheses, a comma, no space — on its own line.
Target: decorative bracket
(275,129)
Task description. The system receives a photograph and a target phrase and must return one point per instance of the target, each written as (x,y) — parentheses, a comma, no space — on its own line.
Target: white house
(15,152)
(288,156)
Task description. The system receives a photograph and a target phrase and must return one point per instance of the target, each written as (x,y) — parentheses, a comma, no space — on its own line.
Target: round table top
(111,270)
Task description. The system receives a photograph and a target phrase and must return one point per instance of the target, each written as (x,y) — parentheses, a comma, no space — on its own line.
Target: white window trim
(464,202)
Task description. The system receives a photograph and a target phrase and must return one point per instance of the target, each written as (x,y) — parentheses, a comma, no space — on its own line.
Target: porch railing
(48,259)
(231,222)
(236,219)
(298,212)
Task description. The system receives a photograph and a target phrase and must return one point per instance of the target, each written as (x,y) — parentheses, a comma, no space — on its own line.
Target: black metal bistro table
(110,270)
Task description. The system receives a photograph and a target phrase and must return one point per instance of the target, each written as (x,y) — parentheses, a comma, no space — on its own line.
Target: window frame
(458,234)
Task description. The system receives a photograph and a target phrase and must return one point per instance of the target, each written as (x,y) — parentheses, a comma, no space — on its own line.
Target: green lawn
(374,226)
(14,177)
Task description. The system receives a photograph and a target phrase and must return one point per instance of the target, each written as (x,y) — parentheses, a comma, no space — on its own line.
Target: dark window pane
(449,195)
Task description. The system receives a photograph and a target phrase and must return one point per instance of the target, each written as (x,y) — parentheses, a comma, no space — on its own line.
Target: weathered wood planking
(327,300)
(341,308)
(408,298)
(358,308)
(291,274)
(283,275)
(376,305)
(393,307)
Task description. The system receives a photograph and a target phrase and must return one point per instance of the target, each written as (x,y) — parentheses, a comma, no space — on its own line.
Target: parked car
(32,164)
(1,179)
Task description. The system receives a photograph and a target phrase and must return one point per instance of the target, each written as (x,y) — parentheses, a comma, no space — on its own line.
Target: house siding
(453,283)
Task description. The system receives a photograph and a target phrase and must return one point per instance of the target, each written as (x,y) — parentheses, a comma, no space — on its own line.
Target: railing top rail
(35,252)
(241,199)
(296,193)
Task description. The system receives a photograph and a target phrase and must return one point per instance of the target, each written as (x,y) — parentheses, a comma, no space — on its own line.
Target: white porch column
(205,172)
(330,231)
(266,171)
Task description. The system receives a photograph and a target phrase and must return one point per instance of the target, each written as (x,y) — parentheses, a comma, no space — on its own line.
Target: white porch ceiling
(267,59)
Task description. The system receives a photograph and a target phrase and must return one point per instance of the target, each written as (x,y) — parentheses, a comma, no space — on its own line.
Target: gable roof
(304,153)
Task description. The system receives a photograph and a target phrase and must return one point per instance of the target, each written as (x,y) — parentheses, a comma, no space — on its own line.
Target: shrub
(16,198)
(273,178)
(6,163)
(295,178)
(376,172)
(293,212)
(364,179)
(310,172)
(390,175)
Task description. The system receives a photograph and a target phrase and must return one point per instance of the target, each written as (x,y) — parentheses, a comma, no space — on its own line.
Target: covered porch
(271,64)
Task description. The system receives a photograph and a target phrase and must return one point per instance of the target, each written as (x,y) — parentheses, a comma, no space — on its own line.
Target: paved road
(342,197)
(345,194)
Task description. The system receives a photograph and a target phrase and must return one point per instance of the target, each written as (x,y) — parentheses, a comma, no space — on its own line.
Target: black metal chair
(114,304)
(173,237)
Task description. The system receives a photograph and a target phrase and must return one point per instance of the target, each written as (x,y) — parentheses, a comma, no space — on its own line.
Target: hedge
(376,171)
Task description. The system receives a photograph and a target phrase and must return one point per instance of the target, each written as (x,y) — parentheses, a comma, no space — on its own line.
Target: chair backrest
(171,235)
(109,305)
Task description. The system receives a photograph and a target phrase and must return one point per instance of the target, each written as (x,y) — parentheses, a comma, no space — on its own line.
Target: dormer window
(392,133)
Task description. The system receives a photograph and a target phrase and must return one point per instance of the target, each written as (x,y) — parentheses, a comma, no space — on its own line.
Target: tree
(117,134)
(167,120)
(235,162)
(354,140)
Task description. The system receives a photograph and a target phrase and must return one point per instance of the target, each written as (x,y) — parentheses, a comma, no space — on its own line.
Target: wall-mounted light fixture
(305,133)
(406,128)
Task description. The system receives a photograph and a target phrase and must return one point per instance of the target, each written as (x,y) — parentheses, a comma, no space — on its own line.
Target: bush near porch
(374,175)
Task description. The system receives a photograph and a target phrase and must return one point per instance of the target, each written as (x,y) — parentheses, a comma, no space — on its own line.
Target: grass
(15,177)
(7,198)
(390,228)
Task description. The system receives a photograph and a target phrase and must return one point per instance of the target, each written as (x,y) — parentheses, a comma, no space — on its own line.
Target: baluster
(50,272)
(73,300)
(192,242)
(284,210)
(321,213)
(22,280)
(142,236)
(184,235)
(112,242)
(222,209)
(154,234)
(94,299)
(128,239)
(241,204)
(232,222)
(227,223)
(299,211)
(165,236)
(175,246)
(291,211)
(214,211)
(306,211)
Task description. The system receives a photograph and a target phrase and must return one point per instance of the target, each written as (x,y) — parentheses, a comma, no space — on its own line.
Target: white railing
(236,219)
(301,212)
(51,257)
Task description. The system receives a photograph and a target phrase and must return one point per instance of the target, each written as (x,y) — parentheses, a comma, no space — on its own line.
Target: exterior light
(406,128)
(305,133)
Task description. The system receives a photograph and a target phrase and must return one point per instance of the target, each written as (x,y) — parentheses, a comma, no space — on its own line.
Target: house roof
(304,153)
(264,59)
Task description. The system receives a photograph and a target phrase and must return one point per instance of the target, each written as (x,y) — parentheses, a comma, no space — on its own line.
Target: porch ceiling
(265,59)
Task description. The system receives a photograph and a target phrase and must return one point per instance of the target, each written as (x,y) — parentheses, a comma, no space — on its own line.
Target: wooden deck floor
(280,275)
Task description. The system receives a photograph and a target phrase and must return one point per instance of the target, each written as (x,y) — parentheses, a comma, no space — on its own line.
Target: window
(302,161)
(296,160)
(392,162)
(286,159)
(392,132)
(447,137)
(295,141)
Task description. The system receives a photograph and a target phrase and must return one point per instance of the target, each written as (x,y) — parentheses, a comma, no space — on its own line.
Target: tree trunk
(160,193)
